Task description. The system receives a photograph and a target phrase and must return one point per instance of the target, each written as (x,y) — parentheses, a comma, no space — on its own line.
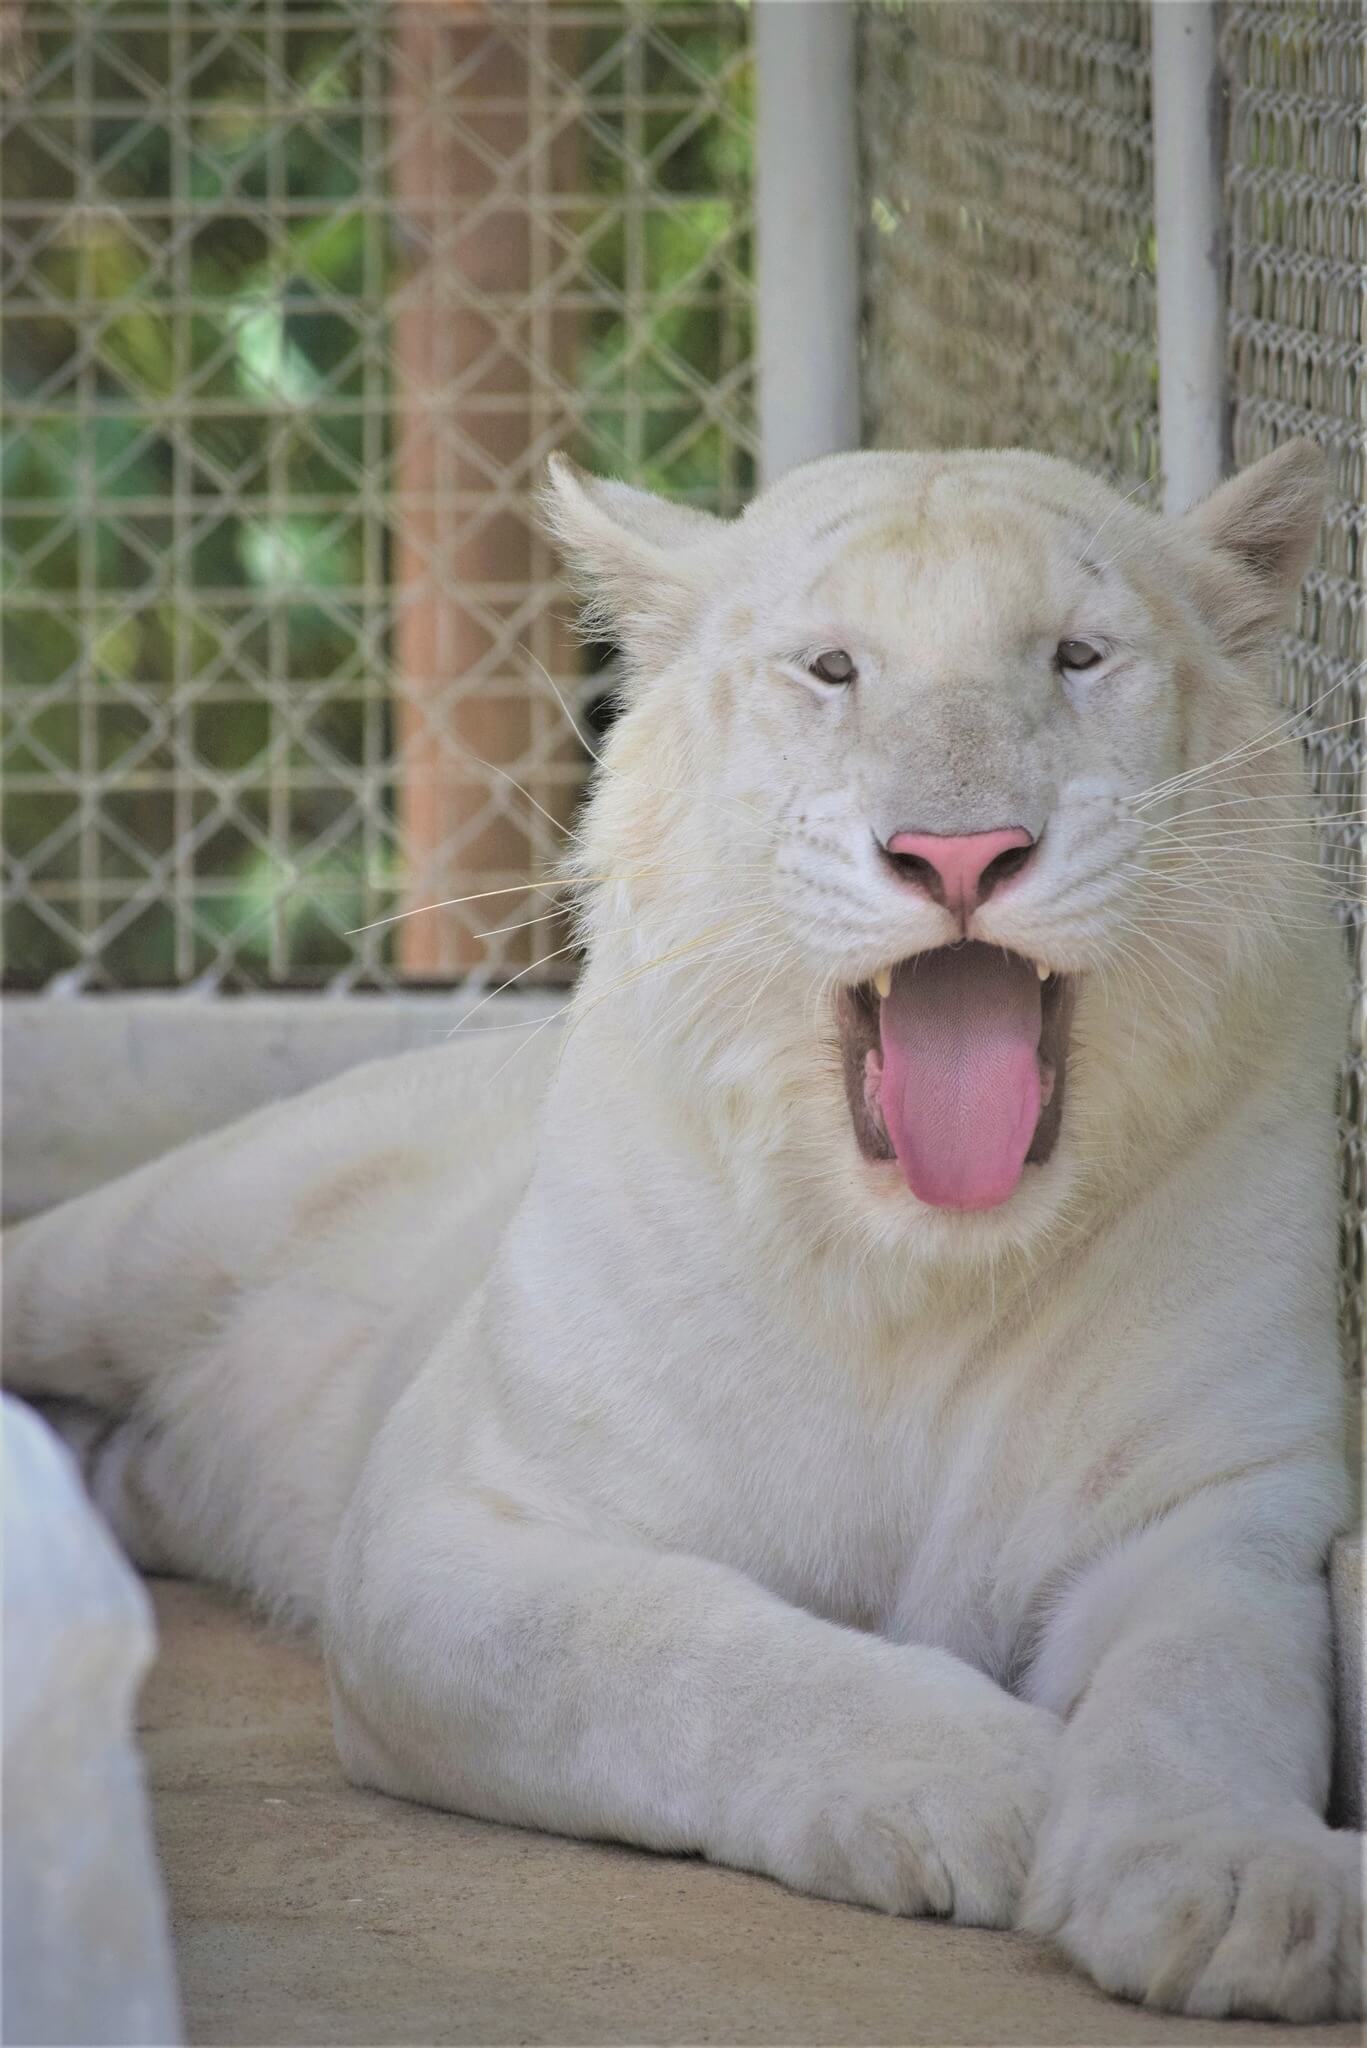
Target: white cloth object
(86,1948)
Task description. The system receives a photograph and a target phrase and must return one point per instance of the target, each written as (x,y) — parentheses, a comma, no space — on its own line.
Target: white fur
(727,1499)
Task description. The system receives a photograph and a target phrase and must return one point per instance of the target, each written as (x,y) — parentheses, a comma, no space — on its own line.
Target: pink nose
(960,870)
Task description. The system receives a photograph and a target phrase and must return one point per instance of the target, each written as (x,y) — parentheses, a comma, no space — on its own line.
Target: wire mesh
(1297,80)
(1010,246)
(297,296)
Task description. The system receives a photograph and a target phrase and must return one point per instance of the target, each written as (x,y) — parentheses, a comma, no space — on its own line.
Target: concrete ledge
(95,1085)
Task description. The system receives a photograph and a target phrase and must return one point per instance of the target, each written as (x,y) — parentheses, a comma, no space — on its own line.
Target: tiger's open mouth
(956,1065)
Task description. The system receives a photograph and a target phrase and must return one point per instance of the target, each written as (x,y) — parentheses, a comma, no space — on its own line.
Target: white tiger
(885,1431)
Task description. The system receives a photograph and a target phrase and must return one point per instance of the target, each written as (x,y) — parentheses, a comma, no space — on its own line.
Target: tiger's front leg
(487,1657)
(1185,1860)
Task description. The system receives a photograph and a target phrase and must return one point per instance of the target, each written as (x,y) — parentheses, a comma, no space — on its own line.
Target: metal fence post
(1189,225)
(807,231)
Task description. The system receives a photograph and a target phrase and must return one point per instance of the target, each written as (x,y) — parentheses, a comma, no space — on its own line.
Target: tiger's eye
(834,666)
(1077,654)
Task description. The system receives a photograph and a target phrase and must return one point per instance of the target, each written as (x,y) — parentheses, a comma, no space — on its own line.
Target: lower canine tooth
(882,981)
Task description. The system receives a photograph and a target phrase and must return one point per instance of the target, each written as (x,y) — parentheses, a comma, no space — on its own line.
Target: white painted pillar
(1188,174)
(807,230)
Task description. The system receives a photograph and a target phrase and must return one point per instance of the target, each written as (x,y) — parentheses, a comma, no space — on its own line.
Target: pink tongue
(960,1092)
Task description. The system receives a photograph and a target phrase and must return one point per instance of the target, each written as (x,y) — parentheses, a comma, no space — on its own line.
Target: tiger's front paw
(1212,1920)
(949,1834)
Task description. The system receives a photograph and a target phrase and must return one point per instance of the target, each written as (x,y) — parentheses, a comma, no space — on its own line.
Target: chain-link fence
(1298,363)
(1011,273)
(297,297)
(1010,241)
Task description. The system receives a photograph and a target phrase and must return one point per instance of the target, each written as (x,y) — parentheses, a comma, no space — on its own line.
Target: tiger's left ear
(642,564)
(1256,537)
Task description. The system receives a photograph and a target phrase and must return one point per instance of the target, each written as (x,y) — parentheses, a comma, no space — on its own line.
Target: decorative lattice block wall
(295,302)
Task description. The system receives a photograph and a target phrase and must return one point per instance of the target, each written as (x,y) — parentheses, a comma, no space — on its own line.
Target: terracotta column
(452,552)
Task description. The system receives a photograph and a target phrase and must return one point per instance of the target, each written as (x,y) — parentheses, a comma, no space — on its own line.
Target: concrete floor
(306,1911)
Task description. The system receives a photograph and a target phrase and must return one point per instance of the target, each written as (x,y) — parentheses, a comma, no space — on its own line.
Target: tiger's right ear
(641,564)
